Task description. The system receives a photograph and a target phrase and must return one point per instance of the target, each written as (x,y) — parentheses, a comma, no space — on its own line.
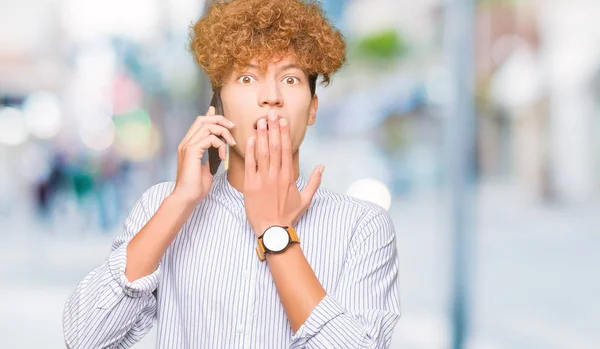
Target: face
(249,95)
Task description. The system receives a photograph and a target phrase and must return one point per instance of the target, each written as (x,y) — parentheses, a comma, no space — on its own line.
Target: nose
(270,95)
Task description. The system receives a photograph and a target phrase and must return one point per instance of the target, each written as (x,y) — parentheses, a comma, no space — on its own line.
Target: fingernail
(251,140)
(231,123)
(282,122)
(322,169)
(272,115)
(233,141)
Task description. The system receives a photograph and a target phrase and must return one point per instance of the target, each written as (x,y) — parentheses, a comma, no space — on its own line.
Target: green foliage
(382,45)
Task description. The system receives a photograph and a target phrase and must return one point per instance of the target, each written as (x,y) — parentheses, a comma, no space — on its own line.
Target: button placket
(249,277)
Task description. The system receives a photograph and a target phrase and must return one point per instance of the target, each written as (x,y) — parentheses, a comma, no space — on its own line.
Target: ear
(314,105)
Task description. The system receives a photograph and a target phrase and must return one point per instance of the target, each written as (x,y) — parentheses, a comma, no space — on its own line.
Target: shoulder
(154,196)
(351,221)
(361,211)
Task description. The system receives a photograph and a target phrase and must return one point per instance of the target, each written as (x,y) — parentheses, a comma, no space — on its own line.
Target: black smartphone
(214,160)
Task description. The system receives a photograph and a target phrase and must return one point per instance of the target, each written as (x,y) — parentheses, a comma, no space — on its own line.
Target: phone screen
(214,161)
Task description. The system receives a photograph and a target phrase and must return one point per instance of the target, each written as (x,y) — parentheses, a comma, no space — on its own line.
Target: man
(257,256)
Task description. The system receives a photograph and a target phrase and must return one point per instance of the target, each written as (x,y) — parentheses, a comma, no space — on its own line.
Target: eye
(291,80)
(245,79)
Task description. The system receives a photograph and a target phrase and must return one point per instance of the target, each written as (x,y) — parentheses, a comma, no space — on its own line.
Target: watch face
(276,239)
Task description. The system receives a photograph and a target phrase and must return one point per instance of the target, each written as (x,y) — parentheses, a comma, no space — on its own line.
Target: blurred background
(477,125)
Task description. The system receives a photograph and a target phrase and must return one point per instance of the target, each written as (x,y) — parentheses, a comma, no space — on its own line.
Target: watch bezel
(289,239)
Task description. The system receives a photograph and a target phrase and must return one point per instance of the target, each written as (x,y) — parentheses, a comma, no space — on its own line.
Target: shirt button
(240,329)
(246,274)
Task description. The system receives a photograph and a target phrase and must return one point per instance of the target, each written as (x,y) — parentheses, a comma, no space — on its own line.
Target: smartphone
(214,161)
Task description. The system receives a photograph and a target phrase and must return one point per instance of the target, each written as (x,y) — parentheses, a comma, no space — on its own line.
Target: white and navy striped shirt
(213,292)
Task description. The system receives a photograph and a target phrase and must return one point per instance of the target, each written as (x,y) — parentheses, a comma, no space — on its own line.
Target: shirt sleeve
(365,306)
(106,310)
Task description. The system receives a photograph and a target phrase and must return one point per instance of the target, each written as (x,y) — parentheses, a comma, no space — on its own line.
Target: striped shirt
(211,291)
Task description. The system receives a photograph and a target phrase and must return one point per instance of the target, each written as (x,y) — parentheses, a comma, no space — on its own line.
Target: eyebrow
(285,67)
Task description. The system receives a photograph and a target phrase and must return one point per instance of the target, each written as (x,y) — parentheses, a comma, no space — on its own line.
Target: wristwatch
(276,239)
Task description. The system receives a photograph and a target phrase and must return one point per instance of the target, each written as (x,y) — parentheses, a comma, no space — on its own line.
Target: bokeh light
(100,138)
(371,190)
(137,139)
(43,115)
(13,129)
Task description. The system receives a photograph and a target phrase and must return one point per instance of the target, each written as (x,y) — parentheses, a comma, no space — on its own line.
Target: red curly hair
(234,32)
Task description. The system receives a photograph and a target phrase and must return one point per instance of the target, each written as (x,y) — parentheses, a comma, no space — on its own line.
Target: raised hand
(271,196)
(194,179)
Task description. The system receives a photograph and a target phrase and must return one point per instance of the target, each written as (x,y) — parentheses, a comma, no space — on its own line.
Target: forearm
(303,296)
(365,306)
(147,248)
(299,289)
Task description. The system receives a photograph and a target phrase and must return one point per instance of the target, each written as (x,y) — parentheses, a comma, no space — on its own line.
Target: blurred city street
(475,123)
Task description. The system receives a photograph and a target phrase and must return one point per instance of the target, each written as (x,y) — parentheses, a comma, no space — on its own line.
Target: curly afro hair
(234,32)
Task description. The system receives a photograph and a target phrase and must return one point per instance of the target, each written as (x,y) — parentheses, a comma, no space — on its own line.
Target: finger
(223,153)
(202,120)
(313,184)
(218,130)
(211,111)
(217,119)
(197,123)
(274,144)
(205,172)
(286,149)
(250,159)
(262,146)
(208,119)
(200,147)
